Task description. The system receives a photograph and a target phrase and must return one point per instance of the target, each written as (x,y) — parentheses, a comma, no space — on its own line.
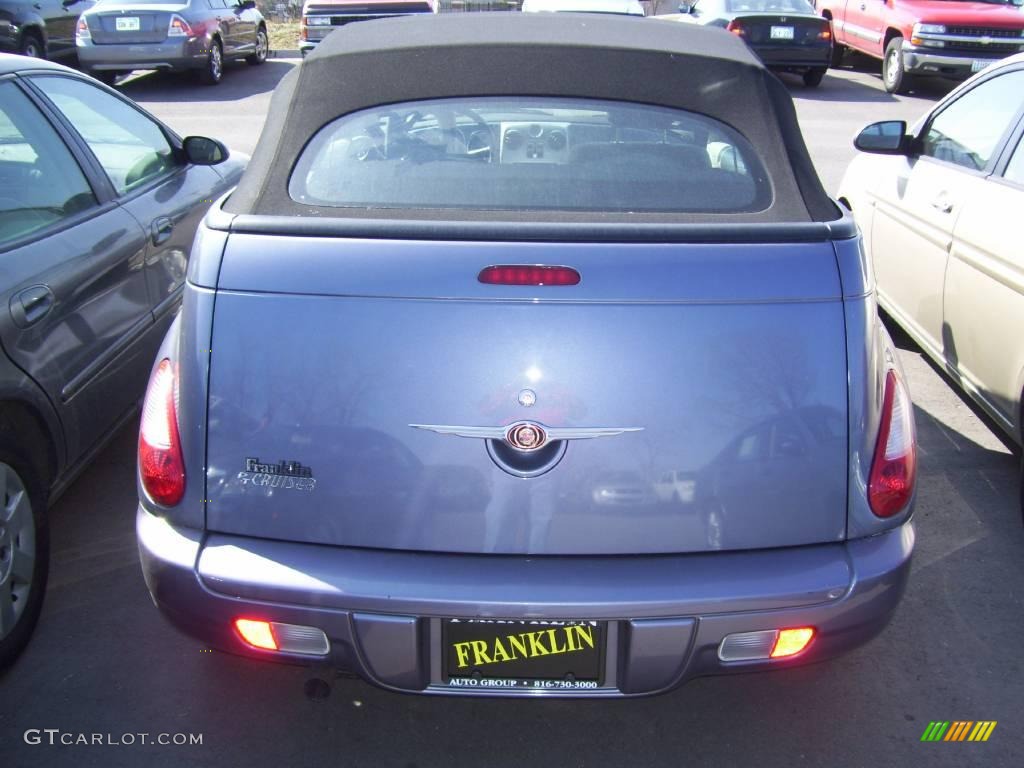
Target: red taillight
(826,32)
(736,28)
(178,27)
(160,463)
(791,641)
(894,468)
(529,275)
(256,633)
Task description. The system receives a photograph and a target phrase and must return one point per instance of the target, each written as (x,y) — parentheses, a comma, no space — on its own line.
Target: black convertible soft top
(372,63)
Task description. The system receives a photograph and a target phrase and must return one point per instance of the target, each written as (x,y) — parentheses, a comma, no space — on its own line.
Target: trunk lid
(130,24)
(726,363)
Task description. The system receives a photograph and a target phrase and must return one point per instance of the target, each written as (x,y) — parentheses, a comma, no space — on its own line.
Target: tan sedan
(941,207)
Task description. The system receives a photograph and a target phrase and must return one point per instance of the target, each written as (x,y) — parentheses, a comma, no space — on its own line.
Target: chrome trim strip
(551,434)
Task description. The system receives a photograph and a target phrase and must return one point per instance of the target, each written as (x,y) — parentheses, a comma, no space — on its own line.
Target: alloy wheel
(262,45)
(17,548)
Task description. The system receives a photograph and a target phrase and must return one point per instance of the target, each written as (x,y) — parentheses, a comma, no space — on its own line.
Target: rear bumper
(381,611)
(794,56)
(174,55)
(924,61)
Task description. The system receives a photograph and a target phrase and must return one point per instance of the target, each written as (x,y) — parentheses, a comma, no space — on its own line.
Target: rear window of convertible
(531,154)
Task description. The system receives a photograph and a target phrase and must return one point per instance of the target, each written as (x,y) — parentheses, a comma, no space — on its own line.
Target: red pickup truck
(319,17)
(948,38)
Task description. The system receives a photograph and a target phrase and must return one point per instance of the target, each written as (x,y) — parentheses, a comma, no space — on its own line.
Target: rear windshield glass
(531,154)
(769,6)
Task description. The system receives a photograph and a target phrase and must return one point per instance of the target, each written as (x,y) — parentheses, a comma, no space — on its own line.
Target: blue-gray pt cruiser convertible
(529,356)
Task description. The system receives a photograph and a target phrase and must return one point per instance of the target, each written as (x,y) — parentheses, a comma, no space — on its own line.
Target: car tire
(894,74)
(813,77)
(32,45)
(105,76)
(24,535)
(213,69)
(262,48)
(838,54)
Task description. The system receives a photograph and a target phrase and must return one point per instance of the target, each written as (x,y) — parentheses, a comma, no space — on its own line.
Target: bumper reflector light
(256,633)
(290,638)
(747,646)
(765,644)
(792,641)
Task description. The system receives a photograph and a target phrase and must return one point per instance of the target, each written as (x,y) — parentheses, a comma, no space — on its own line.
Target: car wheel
(32,46)
(24,549)
(105,76)
(838,54)
(813,77)
(213,71)
(894,75)
(262,47)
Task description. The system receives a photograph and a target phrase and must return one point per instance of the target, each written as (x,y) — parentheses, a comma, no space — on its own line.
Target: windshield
(536,154)
(766,6)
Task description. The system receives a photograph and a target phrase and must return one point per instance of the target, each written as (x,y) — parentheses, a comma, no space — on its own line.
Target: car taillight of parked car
(178,27)
(894,469)
(826,31)
(82,30)
(736,28)
(160,460)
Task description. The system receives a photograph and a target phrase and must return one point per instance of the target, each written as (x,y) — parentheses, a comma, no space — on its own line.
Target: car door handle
(161,230)
(942,204)
(32,305)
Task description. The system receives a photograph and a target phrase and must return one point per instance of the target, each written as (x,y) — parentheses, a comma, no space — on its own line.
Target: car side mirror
(888,137)
(685,8)
(245,5)
(200,150)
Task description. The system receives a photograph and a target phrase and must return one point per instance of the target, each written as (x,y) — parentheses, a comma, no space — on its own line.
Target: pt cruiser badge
(527,436)
(285,475)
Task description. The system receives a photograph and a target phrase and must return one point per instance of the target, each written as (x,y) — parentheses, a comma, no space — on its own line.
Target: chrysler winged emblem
(527,436)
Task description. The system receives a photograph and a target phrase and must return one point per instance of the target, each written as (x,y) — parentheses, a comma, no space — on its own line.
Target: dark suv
(43,28)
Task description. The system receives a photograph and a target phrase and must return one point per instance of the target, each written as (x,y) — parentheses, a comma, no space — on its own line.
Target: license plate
(977,66)
(549,655)
(127,24)
(782,33)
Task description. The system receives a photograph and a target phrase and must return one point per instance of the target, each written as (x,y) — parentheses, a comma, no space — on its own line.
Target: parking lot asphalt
(104,662)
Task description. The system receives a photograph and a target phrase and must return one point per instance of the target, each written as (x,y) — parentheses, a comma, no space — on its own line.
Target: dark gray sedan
(99,203)
(787,35)
(191,35)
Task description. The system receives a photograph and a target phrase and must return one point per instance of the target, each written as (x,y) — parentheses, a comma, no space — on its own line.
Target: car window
(768,6)
(40,181)
(533,154)
(1015,169)
(967,132)
(131,147)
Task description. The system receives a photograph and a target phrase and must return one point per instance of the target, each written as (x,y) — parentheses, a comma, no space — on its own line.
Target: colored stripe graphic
(958,730)
(982,731)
